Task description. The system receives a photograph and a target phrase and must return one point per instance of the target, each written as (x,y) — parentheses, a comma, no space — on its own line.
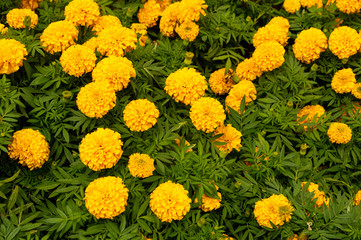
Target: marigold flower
(357,199)
(170,201)
(185,85)
(339,133)
(150,13)
(82,12)
(104,22)
(311,111)
(242,89)
(139,28)
(30,4)
(281,22)
(3,29)
(207,114)
(140,115)
(343,81)
(226,237)
(106,197)
(58,36)
(311,3)
(186,143)
(101,149)
(92,44)
(187,30)
(164,4)
(292,6)
(309,44)
(30,148)
(141,165)
(12,55)
(116,41)
(269,56)
(221,83)
(169,19)
(344,42)
(276,209)
(356,90)
(209,203)
(248,70)
(190,10)
(349,6)
(16,17)
(270,33)
(231,136)
(78,60)
(320,195)
(96,99)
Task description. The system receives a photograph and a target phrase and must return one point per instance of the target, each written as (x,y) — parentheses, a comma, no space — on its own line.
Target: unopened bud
(189,58)
(66,95)
(248,19)
(344,61)
(290,104)
(303,149)
(201,222)
(27,21)
(238,184)
(314,67)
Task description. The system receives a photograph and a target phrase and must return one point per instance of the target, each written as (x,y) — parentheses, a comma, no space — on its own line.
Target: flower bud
(189,58)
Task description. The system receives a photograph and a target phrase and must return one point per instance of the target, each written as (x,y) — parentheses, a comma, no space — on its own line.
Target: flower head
(92,44)
(82,12)
(3,29)
(140,115)
(30,4)
(269,56)
(349,6)
(101,149)
(96,99)
(343,81)
(190,10)
(344,42)
(207,114)
(12,55)
(242,89)
(170,201)
(169,19)
(58,36)
(311,111)
(164,4)
(320,195)
(356,90)
(292,6)
(186,143)
(30,148)
(270,33)
(231,136)
(78,60)
(281,22)
(139,28)
(221,83)
(339,133)
(150,13)
(209,203)
(106,197)
(105,22)
(248,70)
(185,85)
(311,3)
(141,165)
(357,199)
(16,17)
(188,30)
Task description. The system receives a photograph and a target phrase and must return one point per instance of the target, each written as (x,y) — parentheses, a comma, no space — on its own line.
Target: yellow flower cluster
(78,60)
(276,209)
(187,30)
(116,41)
(349,6)
(311,111)
(101,149)
(242,89)
(309,44)
(357,199)
(191,10)
(343,81)
(16,17)
(92,44)
(320,195)
(344,42)
(150,13)
(12,55)
(276,30)
(170,201)
(220,82)
(141,30)
(82,12)
(30,148)
(106,197)
(269,56)
(292,6)
(141,165)
(105,22)
(116,71)
(58,36)
(96,99)
(339,133)
(185,85)
(231,136)
(207,114)
(140,115)
(248,70)
(31,4)
(356,90)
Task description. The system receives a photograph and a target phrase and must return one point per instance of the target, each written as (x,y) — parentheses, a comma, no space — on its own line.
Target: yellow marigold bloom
(190,10)
(208,203)
(82,12)
(106,197)
(164,4)
(281,22)
(116,71)
(269,56)
(357,199)
(185,85)
(276,209)
(270,33)
(141,165)
(30,148)
(231,136)
(170,201)
(101,149)
(188,30)
(339,133)
(30,4)
(248,70)
(3,29)
(169,19)
(104,22)
(96,99)
(343,81)
(311,111)
(310,3)
(356,90)
(78,60)
(140,115)
(16,17)
(116,41)
(91,44)
(349,6)
(150,13)
(207,114)
(139,28)
(309,44)
(344,42)
(186,143)
(242,89)
(58,36)
(221,83)
(292,6)
(320,195)
(12,54)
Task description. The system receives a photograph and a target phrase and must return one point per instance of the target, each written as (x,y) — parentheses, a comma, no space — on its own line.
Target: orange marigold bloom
(242,89)
(344,42)
(78,60)
(169,19)
(320,195)
(12,55)
(16,17)
(292,6)
(3,29)
(270,33)
(248,70)
(281,22)
(221,83)
(311,111)
(190,10)
(339,133)
(310,3)
(343,81)
(231,136)
(209,203)
(349,6)
(141,165)
(82,12)
(30,4)
(150,13)
(164,4)
(269,56)
(104,22)
(188,30)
